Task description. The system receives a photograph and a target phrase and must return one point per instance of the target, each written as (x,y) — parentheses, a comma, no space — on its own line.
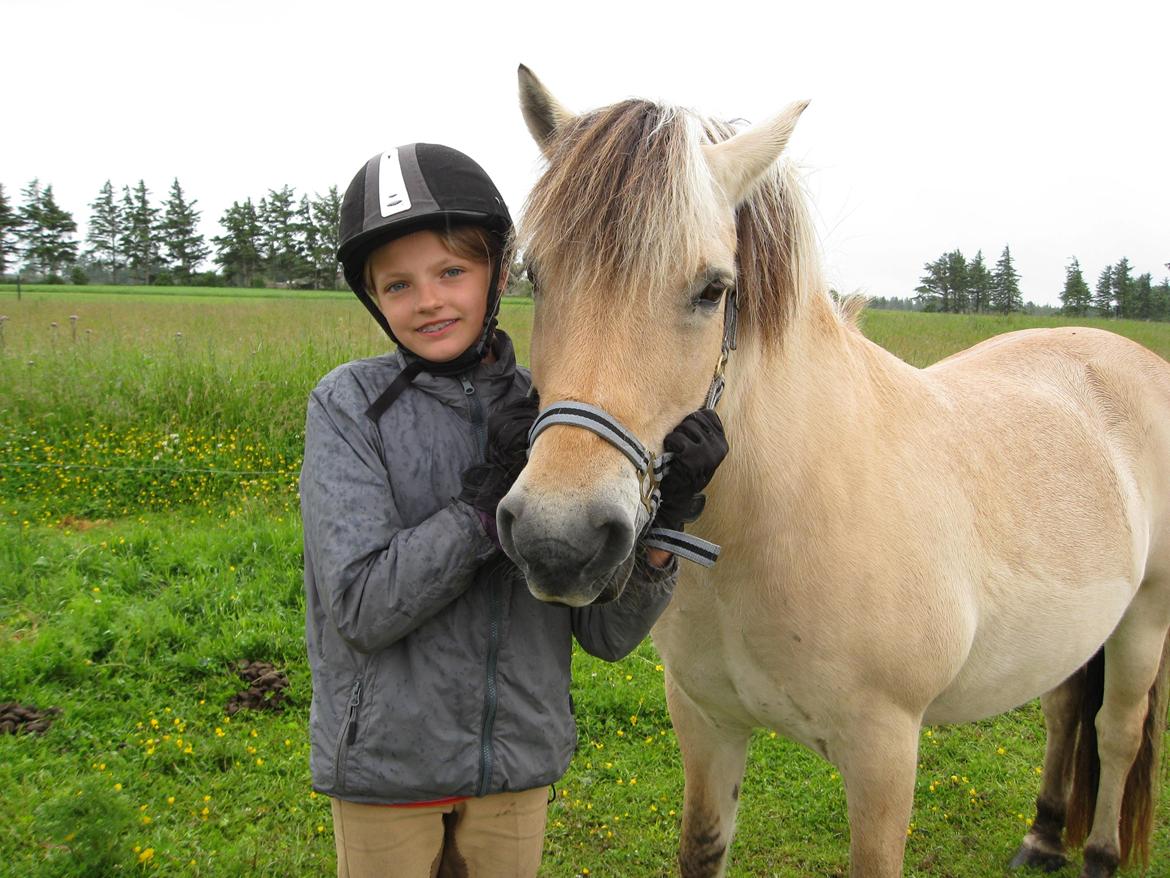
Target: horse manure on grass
(16,718)
(265,692)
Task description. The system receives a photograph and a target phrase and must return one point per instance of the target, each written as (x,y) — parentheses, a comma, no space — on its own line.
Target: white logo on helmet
(392,195)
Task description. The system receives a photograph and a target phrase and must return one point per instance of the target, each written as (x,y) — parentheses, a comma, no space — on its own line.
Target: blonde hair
(467,241)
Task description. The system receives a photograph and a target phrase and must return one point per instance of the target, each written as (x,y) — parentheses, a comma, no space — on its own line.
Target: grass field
(150,541)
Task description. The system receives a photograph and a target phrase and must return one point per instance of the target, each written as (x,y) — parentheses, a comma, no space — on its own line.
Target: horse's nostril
(616,540)
(507,512)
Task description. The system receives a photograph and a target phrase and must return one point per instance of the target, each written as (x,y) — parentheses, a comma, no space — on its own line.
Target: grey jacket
(435,672)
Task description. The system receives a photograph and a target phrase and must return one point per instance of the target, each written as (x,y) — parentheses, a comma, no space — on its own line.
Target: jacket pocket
(347,734)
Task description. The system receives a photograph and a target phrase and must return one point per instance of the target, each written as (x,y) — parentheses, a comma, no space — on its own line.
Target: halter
(650,467)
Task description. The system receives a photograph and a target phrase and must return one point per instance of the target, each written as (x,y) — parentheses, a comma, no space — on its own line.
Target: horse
(900,546)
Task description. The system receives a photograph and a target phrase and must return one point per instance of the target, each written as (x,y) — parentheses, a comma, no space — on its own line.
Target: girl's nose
(429,297)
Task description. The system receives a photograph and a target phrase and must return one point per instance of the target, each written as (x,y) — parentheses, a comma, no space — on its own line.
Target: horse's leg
(1133,658)
(713,762)
(1043,847)
(878,764)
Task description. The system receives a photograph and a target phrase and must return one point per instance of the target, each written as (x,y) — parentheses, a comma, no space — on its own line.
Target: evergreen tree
(9,226)
(184,246)
(1123,288)
(106,233)
(140,220)
(1103,297)
(1075,297)
(326,211)
(1160,300)
(46,230)
(958,282)
(1005,285)
(932,289)
(1143,297)
(979,282)
(238,250)
(280,244)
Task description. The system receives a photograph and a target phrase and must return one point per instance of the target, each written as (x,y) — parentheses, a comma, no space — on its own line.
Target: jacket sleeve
(377,579)
(612,631)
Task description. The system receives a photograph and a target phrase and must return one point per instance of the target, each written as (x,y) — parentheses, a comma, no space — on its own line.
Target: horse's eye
(713,292)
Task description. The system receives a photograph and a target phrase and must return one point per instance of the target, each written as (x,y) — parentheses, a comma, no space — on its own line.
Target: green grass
(129,588)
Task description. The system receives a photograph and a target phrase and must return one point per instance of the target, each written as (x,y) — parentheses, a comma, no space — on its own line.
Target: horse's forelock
(628,198)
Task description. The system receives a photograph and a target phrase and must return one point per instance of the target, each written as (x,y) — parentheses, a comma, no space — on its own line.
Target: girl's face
(433,300)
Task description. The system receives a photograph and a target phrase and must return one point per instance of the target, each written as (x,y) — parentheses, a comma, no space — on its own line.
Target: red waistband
(450,800)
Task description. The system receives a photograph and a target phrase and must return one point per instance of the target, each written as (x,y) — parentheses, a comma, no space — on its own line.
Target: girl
(441,708)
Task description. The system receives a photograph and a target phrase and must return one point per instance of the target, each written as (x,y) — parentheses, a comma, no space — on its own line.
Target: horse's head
(631,235)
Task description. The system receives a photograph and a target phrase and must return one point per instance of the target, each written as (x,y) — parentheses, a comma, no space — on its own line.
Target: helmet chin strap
(466,361)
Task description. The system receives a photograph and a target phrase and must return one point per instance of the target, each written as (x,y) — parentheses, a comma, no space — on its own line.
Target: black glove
(485,484)
(699,446)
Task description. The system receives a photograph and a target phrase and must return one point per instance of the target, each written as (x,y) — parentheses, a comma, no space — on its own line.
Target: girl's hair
(467,242)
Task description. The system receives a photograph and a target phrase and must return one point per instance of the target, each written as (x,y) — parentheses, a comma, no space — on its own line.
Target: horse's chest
(714,655)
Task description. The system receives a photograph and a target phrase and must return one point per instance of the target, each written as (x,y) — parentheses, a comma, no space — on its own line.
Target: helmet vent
(392,193)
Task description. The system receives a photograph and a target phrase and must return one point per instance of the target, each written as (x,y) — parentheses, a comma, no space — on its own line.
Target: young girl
(441,708)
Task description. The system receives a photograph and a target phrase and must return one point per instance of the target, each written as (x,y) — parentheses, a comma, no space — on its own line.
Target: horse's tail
(1141,785)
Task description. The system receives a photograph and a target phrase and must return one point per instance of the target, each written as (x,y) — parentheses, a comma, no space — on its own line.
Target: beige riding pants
(498,836)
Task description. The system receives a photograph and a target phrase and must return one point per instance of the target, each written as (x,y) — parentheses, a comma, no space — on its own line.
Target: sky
(932,126)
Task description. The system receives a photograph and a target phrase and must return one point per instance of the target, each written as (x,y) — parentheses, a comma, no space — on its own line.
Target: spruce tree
(1103,296)
(106,233)
(326,211)
(237,251)
(1005,285)
(958,282)
(932,288)
(142,235)
(979,281)
(183,244)
(46,230)
(1143,297)
(1160,300)
(9,225)
(280,244)
(1075,297)
(1123,288)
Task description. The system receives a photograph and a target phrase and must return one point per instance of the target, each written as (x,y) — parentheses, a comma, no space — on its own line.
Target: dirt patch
(16,718)
(81,525)
(267,690)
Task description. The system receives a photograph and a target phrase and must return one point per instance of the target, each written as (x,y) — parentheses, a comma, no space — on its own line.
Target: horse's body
(900,546)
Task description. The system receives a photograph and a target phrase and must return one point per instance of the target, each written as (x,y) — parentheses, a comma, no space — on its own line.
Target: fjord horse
(900,546)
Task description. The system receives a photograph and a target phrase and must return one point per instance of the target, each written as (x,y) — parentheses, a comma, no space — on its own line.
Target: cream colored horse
(901,546)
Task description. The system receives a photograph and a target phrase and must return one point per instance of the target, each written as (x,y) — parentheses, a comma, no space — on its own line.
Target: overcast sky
(1043,126)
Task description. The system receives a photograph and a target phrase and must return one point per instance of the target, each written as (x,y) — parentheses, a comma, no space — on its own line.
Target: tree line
(954,284)
(281,241)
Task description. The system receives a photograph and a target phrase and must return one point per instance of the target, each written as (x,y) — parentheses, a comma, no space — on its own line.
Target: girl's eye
(453,272)
(395,288)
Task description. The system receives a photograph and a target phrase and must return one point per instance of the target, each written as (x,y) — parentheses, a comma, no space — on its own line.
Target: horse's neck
(819,398)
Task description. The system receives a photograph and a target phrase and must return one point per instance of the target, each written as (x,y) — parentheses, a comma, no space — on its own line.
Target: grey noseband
(650,467)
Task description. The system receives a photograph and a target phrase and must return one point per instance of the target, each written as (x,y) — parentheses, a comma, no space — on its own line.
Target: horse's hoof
(1099,863)
(1033,858)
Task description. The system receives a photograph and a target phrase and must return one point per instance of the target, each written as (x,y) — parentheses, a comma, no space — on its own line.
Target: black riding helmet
(410,188)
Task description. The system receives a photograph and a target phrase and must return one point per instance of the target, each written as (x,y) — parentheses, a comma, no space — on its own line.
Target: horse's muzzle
(572,553)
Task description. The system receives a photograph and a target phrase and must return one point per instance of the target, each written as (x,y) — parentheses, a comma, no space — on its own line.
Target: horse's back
(1116,385)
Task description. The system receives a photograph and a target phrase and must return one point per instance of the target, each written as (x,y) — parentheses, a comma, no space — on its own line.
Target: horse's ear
(543,113)
(738,162)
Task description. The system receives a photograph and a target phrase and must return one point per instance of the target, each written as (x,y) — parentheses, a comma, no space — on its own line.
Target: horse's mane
(627,198)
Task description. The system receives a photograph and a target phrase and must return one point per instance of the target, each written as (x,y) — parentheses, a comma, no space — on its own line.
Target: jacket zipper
(479,427)
(348,731)
(477,418)
(489,705)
